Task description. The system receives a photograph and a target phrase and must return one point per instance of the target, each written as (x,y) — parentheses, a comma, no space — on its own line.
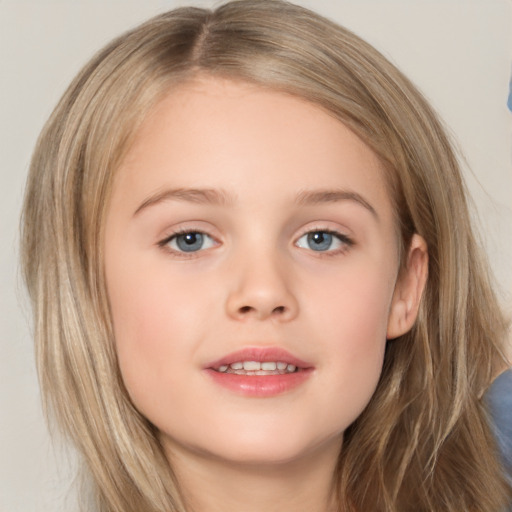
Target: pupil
(189,242)
(190,238)
(319,241)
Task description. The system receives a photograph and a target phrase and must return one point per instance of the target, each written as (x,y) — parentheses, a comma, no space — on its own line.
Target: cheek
(353,305)
(351,313)
(153,314)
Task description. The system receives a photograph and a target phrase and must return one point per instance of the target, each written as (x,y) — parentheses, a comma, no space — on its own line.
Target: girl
(254,278)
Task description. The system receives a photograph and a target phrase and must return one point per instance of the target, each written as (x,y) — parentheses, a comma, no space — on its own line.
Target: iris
(190,242)
(319,240)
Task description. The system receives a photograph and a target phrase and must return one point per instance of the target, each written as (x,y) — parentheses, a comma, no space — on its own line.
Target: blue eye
(190,241)
(323,241)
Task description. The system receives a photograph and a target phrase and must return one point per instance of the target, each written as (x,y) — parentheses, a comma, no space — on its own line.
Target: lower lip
(260,385)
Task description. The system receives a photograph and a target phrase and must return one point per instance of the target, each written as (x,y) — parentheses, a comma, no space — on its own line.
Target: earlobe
(409,289)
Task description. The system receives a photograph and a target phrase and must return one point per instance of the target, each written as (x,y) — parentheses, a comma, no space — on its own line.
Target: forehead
(221,133)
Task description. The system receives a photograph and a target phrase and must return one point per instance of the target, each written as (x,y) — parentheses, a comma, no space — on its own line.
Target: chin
(259,447)
(261,456)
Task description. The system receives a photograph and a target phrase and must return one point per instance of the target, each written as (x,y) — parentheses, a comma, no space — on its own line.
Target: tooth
(252,365)
(237,366)
(223,368)
(291,368)
(268,366)
(262,372)
(281,366)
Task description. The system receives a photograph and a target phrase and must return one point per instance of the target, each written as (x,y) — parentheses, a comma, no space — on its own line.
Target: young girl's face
(249,229)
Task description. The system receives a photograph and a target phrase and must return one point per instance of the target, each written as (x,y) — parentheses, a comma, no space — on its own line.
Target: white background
(459,52)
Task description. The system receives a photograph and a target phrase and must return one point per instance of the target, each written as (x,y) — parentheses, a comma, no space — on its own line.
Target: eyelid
(341,235)
(345,239)
(182,230)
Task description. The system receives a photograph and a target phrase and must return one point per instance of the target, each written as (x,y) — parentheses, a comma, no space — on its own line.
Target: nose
(260,290)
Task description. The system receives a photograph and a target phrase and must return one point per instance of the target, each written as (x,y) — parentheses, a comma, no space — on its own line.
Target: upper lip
(261,354)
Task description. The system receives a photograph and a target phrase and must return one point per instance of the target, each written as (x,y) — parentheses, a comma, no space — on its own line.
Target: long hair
(423,443)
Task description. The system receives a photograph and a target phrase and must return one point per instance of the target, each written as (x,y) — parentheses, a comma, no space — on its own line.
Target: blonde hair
(423,443)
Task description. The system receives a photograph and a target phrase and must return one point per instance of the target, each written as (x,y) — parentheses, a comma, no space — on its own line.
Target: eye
(323,241)
(189,241)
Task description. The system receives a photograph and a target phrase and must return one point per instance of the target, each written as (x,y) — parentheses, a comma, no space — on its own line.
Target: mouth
(258,368)
(260,372)
(250,361)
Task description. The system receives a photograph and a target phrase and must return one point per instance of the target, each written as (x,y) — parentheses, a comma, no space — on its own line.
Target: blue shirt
(499,398)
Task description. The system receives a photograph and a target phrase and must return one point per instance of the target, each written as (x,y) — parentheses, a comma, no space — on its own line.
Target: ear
(409,289)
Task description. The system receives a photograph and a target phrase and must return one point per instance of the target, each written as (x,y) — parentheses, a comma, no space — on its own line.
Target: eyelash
(164,244)
(346,242)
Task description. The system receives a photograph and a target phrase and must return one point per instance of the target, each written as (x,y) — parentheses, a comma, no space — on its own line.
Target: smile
(258,368)
(260,372)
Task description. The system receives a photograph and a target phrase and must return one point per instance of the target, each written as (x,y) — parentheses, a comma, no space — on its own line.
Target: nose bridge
(260,286)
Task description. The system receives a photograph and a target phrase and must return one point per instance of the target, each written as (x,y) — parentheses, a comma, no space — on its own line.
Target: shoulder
(499,399)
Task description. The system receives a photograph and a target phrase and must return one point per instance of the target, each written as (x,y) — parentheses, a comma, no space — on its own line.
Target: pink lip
(260,385)
(260,354)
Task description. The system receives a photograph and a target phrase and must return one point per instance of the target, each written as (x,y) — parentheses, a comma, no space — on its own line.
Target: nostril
(279,310)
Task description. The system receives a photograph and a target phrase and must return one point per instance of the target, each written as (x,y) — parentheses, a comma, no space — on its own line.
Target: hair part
(423,442)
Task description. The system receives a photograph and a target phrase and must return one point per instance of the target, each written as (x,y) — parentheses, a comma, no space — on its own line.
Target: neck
(212,485)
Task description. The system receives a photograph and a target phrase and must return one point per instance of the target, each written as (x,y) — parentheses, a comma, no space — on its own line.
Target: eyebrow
(192,195)
(314,197)
(220,197)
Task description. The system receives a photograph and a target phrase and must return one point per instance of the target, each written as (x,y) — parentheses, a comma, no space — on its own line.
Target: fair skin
(244,219)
